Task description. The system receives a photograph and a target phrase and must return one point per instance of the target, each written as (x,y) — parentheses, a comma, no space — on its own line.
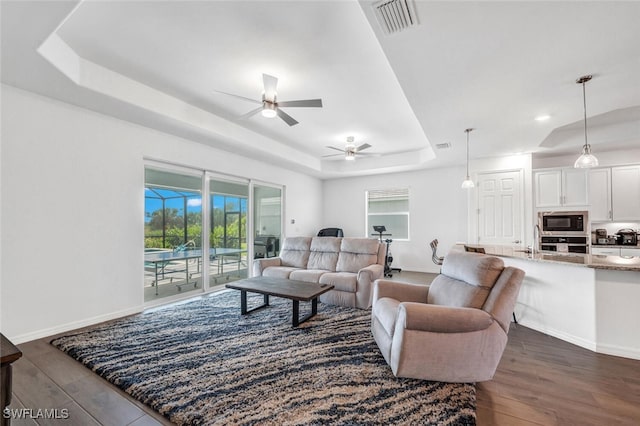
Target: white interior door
(500,209)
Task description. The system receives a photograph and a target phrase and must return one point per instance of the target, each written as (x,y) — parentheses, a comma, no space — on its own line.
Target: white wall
(73,210)
(438,209)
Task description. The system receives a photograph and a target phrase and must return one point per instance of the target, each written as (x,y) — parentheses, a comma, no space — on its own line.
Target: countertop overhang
(596,261)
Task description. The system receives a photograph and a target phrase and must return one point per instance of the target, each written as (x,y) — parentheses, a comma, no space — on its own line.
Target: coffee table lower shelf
(296,291)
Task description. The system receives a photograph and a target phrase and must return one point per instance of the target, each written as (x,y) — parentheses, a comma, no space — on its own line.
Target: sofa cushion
(465,281)
(279,271)
(357,253)
(342,281)
(309,275)
(324,253)
(295,252)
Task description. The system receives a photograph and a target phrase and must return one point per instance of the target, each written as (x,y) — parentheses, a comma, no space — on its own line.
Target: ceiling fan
(350,150)
(270,107)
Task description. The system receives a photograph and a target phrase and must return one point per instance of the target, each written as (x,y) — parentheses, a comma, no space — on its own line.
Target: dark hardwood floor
(540,381)
(544,380)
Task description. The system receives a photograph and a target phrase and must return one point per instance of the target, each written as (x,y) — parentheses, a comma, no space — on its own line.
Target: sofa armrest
(442,319)
(403,292)
(373,272)
(259,265)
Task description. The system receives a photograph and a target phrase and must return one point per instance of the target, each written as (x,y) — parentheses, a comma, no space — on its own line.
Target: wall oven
(564,244)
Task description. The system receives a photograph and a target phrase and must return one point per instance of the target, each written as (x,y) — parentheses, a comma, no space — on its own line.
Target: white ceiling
(490,66)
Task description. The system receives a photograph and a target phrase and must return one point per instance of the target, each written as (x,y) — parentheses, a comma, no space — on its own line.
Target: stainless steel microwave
(563,223)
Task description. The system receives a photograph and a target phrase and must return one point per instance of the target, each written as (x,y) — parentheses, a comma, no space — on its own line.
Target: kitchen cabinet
(609,251)
(625,193)
(561,188)
(600,195)
(630,252)
(616,251)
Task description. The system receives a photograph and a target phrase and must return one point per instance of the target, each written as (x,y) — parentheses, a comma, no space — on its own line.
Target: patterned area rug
(201,362)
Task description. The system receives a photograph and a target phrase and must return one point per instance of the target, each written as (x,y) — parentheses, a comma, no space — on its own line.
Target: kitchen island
(589,300)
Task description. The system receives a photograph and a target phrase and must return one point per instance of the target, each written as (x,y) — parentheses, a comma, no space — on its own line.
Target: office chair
(330,232)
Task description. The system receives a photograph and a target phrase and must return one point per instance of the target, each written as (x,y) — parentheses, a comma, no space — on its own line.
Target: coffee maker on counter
(600,237)
(627,237)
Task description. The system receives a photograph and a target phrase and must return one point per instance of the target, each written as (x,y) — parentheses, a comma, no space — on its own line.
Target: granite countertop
(615,246)
(596,261)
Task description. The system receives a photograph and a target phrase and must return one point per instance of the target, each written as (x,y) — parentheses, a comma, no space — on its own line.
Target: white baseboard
(622,351)
(39,334)
(579,341)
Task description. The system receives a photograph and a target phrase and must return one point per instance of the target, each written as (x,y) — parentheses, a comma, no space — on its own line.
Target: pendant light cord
(584,100)
(467,152)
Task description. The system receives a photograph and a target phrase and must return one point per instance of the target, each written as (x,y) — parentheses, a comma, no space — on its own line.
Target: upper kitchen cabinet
(625,193)
(560,188)
(600,209)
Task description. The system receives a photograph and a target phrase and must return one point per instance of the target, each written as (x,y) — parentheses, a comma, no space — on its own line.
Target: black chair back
(330,232)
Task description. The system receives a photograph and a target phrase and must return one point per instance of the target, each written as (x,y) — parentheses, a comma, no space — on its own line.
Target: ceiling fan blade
(239,97)
(286,117)
(270,85)
(337,149)
(250,113)
(307,103)
(363,147)
(333,155)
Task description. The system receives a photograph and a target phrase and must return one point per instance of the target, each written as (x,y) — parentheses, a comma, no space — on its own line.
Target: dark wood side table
(9,353)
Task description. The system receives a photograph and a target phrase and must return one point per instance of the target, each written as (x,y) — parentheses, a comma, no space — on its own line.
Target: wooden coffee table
(296,291)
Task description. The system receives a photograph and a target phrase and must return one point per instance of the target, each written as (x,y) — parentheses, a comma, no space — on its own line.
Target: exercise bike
(388,258)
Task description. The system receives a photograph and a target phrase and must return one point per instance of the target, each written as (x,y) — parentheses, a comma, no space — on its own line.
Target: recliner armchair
(454,330)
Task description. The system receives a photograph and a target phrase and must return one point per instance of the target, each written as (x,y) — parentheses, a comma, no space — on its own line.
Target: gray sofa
(349,264)
(454,330)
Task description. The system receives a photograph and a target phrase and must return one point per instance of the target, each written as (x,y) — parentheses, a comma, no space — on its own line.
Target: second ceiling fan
(350,150)
(269,105)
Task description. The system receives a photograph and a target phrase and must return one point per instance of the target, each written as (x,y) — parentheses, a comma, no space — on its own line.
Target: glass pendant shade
(467,183)
(587,159)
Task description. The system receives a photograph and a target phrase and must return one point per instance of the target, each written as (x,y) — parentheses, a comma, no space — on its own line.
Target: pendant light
(587,159)
(467,183)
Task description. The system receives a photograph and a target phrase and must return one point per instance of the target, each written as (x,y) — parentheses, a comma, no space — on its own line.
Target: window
(389,208)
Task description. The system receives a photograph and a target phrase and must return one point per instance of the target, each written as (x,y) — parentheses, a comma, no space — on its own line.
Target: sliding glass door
(194,246)
(172,233)
(228,202)
(267,220)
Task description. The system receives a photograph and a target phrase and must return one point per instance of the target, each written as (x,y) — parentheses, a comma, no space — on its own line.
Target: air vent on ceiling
(395,15)
(443,145)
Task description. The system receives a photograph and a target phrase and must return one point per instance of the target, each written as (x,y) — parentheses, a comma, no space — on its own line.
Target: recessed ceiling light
(542,117)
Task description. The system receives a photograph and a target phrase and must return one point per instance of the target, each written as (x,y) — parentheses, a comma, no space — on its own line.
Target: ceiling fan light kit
(467,183)
(586,159)
(269,110)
